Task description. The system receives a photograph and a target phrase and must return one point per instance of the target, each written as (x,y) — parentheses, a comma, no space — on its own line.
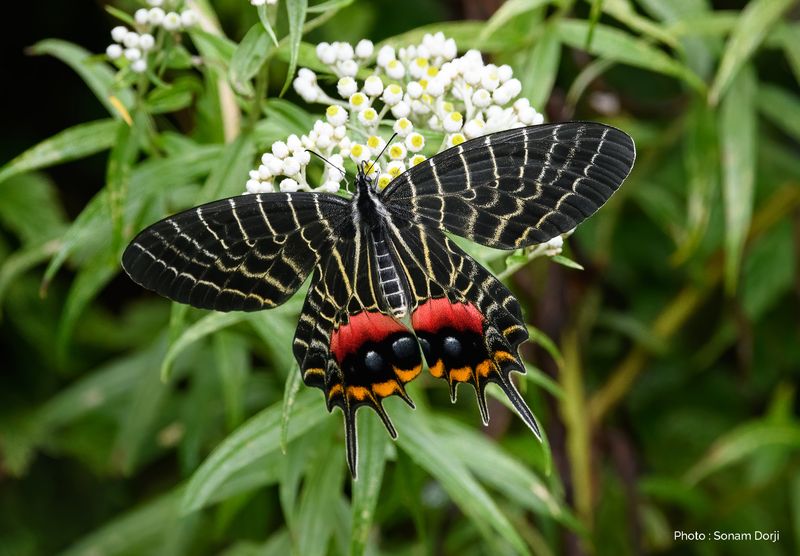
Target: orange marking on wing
(335,389)
(314,371)
(358,392)
(438,369)
(511,328)
(407,375)
(503,356)
(484,368)
(385,389)
(462,374)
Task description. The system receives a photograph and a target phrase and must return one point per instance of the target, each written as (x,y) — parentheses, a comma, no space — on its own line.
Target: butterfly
(387,281)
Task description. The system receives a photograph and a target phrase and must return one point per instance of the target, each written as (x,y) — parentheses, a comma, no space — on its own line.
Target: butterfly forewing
(244,253)
(518,187)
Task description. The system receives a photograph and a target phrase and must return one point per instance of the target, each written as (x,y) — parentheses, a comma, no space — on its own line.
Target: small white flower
(359,152)
(395,69)
(119,33)
(383,181)
(156,16)
(141,16)
(554,246)
(344,51)
(392,94)
(418,67)
(114,51)
(453,122)
(280,149)
(375,143)
(133,54)
(481,98)
(188,18)
(131,40)
(288,185)
(368,117)
(326,53)
(435,87)
(172,21)
(253,186)
(348,67)
(358,102)
(263,173)
(294,144)
(364,48)
(397,151)
(473,128)
(416,159)
(505,72)
(415,142)
(373,86)
(336,115)
(329,187)
(395,168)
(146,41)
(346,87)
(273,163)
(139,66)
(455,139)
(403,127)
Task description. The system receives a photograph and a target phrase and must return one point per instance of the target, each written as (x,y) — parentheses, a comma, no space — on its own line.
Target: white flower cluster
(136,46)
(420,91)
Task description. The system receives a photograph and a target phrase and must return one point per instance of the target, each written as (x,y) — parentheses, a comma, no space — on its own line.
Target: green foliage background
(667,390)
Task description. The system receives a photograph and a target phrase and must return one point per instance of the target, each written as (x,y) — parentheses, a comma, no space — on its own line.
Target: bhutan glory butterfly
(387,282)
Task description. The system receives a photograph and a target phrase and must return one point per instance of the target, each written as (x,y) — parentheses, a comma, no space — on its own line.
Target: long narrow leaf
(296,11)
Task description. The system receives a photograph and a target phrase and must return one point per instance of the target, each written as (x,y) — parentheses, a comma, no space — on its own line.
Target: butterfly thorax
(370,214)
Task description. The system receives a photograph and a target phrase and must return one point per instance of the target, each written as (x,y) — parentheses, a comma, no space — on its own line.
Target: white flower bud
(414,89)
(263,173)
(339,132)
(329,187)
(139,66)
(392,94)
(253,186)
(133,54)
(481,98)
(395,69)
(373,86)
(435,87)
(141,16)
(385,55)
(505,72)
(114,51)
(501,95)
(294,144)
(172,21)
(131,40)
(280,149)
(188,18)
(289,185)
(291,166)
(364,48)
(473,128)
(348,68)
(119,33)
(401,109)
(344,51)
(346,87)
(326,53)
(155,2)
(156,16)
(307,75)
(146,41)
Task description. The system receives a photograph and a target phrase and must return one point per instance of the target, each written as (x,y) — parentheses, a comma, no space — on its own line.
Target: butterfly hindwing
(347,341)
(243,253)
(468,324)
(518,187)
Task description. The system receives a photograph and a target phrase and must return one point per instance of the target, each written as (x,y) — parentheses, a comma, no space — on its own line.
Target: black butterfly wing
(518,187)
(347,342)
(243,253)
(468,324)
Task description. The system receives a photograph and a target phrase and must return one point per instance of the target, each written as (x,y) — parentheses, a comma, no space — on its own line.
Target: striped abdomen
(388,278)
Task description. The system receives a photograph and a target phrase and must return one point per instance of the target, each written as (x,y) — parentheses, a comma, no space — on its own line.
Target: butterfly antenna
(389,142)
(331,164)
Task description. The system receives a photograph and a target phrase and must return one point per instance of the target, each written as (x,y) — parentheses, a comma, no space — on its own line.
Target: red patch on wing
(435,314)
(363,327)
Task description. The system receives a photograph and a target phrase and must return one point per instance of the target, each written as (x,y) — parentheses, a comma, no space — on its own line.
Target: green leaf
(118,175)
(509,10)
(291,388)
(541,67)
(22,260)
(742,442)
(622,11)
(755,21)
(329,5)
(373,444)
(466,34)
(613,44)
(232,362)
(780,107)
(540,338)
(256,438)
(768,272)
(296,11)
(321,490)
(30,209)
(248,58)
(73,143)
(265,22)
(429,450)
(87,284)
(171,99)
(791,48)
(564,261)
(229,175)
(96,74)
(738,135)
(539,378)
(200,329)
